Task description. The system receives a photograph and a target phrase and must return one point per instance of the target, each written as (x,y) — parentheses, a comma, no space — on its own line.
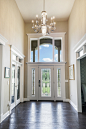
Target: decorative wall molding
(3,40)
(80,44)
(40,34)
(16,52)
(46,63)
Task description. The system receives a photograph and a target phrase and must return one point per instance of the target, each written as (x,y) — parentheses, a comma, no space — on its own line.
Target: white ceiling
(59,8)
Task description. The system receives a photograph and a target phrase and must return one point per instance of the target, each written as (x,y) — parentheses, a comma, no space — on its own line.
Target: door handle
(16,85)
(39,83)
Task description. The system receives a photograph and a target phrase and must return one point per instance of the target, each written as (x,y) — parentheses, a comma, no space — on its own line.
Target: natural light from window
(46,52)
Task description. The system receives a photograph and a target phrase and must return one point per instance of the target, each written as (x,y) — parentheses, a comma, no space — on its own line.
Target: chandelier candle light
(46,29)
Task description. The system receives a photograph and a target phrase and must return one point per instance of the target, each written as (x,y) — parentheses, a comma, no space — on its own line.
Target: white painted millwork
(40,65)
(81,45)
(53,66)
(16,63)
(53,36)
(2,42)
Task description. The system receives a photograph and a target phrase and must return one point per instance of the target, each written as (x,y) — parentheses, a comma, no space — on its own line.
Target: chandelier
(46,29)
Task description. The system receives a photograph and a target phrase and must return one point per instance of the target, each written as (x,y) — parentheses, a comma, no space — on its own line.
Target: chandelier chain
(43,5)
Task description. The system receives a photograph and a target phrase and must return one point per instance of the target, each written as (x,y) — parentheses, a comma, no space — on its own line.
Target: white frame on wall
(3,41)
(53,36)
(19,55)
(78,47)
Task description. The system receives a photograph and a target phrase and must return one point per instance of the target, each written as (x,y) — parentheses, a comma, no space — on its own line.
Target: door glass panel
(46,50)
(33,82)
(46,82)
(57,51)
(13,84)
(18,81)
(58,82)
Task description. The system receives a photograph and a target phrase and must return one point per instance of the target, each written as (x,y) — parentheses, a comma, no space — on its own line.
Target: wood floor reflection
(44,115)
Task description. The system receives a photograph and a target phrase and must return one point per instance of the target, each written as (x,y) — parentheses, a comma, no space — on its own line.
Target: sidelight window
(58,82)
(33,82)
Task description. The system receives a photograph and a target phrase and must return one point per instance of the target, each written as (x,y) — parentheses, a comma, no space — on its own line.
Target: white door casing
(51,97)
(53,67)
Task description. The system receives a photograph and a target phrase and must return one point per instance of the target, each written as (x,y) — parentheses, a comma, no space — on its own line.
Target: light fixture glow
(46,29)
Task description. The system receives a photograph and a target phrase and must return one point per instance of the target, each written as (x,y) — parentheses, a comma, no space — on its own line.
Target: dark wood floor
(44,115)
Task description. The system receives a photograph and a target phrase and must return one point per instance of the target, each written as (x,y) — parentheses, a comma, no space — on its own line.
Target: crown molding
(80,44)
(16,52)
(3,40)
(58,33)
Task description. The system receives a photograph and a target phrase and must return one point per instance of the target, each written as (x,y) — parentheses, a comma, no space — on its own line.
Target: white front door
(46,82)
(59,82)
(46,87)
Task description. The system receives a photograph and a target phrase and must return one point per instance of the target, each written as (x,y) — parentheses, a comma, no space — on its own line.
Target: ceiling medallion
(46,29)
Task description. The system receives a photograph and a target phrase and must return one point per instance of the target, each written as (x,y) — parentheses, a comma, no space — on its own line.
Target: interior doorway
(83,83)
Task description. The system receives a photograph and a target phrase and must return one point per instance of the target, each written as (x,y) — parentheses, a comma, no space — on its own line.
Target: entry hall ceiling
(61,9)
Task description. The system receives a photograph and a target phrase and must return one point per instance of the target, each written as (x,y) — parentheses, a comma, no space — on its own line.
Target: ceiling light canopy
(46,29)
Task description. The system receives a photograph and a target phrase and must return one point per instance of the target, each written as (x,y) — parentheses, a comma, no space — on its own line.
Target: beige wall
(61,27)
(76,30)
(12,28)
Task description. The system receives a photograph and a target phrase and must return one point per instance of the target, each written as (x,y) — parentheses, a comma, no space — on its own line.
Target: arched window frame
(53,36)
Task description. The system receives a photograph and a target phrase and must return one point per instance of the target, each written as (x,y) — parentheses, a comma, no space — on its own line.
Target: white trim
(16,52)
(80,44)
(17,62)
(3,40)
(17,102)
(6,115)
(68,100)
(53,36)
(84,55)
(46,63)
(75,107)
(1,117)
(60,33)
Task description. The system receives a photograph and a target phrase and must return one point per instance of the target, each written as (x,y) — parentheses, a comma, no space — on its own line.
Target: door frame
(52,82)
(62,83)
(18,101)
(37,64)
(14,104)
(19,61)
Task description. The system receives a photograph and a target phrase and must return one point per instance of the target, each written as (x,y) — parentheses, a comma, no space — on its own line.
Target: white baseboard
(1,117)
(26,99)
(6,115)
(75,107)
(68,100)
